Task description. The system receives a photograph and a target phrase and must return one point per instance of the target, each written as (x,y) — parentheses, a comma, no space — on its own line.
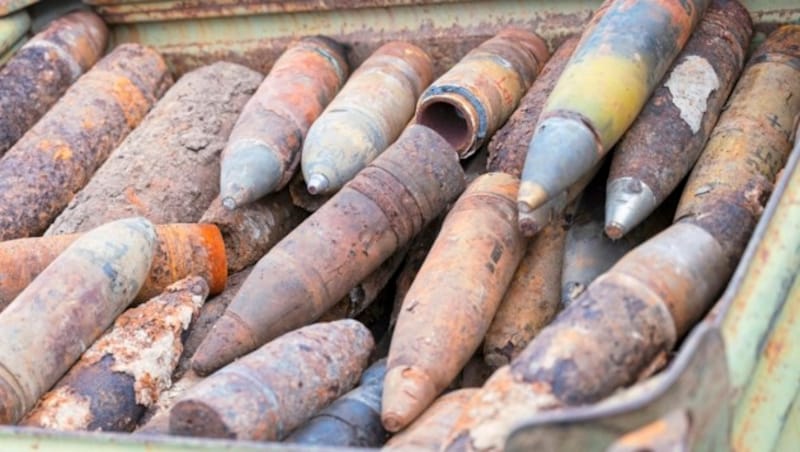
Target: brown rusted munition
(632,316)
(156,418)
(362,295)
(167,170)
(251,230)
(124,371)
(264,148)
(532,300)
(589,252)
(353,420)
(427,433)
(211,311)
(453,298)
(273,390)
(181,250)
(57,156)
(321,260)
(661,146)
(509,146)
(69,305)
(621,57)
(42,69)
(365,117)
(472,100)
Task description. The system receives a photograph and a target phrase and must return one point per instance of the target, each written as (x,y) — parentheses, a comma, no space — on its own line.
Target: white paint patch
(690,84)
(61,409)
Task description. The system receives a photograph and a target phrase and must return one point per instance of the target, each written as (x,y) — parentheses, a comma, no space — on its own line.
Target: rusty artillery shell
(167,170)
(42,69)
(124,371)
(367,115)
(253,229)
(211,311)
(509,146)
(532,300)
(263,152)
(475,97)
(429,430)
(321,260)
(271,391)
(353,420)
(631,316)
(362,295)
(69,305)
(589,252)
(622,55)
(666,139)
(57,156)
(454,297)
(181,250)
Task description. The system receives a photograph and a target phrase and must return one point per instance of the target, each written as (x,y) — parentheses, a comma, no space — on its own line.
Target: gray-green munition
(353,420)
(264,147)
(367,115)
(621,57)
(662,145)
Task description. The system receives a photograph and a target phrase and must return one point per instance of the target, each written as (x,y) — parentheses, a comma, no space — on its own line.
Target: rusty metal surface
(532,300)
(42,70)
(56,157)
(472,100)
(453,298)
(9,6)
(155,420)
(662,145)
(263,151)
(167,169)
(353,420)
(367,116)
(509,146)
(270,392)
(250,231)
(125,370)
(428,431)
(181,250)
(339,245)
(70,304)
(622,55)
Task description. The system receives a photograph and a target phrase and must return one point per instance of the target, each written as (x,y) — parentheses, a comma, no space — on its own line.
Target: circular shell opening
(448,121)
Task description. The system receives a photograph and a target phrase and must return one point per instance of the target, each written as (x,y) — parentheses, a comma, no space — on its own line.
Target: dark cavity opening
(448,121)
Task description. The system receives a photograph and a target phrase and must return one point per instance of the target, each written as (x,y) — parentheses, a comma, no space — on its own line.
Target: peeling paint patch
(73,413)
(691,83)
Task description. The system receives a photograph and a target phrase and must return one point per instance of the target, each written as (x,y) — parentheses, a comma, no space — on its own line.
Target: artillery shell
(321,260)
(271,391)
(622,55)
(167,170)
(353,420)
(429,430)
(252,230)
(264,148)
(532,300)
(734,176)
(509,146)
(588,252)
(211,311)
(124,372)
(57,156)
(666,139)
(367,115)
(632,315)
(475,97)
(42,69)
(48,326)
(181,250)
(361,296)
(454,297)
